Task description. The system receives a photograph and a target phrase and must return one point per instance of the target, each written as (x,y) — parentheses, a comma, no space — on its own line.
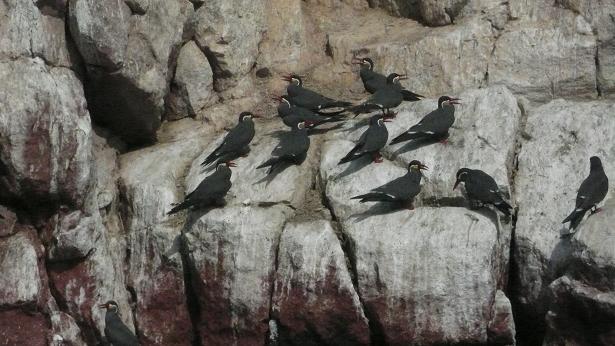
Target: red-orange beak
(455,101)
(423,167)
(103,306)
(456,183)
(258,116)
(402,77)
(356,61)
(231,164)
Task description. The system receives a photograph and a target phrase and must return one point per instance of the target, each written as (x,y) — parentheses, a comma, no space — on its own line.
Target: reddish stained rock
(19,327)
(8,219)
(314,300)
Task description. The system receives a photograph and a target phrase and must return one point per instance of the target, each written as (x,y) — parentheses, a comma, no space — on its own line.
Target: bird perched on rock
(401,190)
(481,189)
(292,115)
(116,331)
(384,98)
(210,191)
(237,141)
(306,98)
(434,125)
(292,149)
(372,81)
(371,141)
(592,191)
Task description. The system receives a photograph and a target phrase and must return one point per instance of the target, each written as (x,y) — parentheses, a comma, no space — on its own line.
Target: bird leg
(595,210)
(377,157)
(409,205)
(444,141)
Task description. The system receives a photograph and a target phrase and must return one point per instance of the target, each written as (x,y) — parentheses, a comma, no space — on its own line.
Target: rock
(45,127)
(22,328)
(400,8)
(231,34)
(192,87)
(149,184)
(443,60)
(340,4)
(138,6)
(253,186)
(231,253)
(128,98)
(100,30)
(502,325)
(547,59)
(558,140)
(291,45)
(29,29)
(73,238)
(8,220)
(580,315)
(452,292)
(314,290)
(65,330)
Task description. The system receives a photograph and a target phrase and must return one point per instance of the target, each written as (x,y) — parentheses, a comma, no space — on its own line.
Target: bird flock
(303,110)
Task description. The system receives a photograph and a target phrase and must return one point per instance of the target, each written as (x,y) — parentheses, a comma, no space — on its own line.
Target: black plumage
(306,98)
(237,141)
(384,98)
(434,125)
(371,141)
(482,189)
(372,81)
(211,190)
(116,332)
(292,115)
(592,191)
(292,149)
(402,190)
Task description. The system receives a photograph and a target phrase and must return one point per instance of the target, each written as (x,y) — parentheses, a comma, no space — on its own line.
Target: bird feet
(377,157)
(444,141)
(595,211)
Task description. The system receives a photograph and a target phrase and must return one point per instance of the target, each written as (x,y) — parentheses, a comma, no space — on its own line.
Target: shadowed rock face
(291,259)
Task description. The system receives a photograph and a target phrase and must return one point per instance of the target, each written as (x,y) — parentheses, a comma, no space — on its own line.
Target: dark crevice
(272,280)
(598,71)
(192,301)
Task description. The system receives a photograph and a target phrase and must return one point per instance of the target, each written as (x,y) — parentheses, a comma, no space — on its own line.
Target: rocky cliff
(108,107)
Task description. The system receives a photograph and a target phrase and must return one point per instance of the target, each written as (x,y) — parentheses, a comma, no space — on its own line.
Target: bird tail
(211,158)
(179,207)
(575,217)
(410,96)
(349,157)
(504,207)
(333,104)
(363,108)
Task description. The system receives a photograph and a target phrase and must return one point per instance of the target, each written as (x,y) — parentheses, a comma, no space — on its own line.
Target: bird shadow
(359,124)
(277,133)
(414,145)
(355,166)
(274,173)
(378,209)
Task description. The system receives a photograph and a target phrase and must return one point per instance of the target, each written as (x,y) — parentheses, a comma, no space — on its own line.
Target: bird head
(416,165)
(461,176)
(244,116)
(294,79)
(110,305)
(394,78)
(282,99)
(226,164)
(595,163)
(448,101)
(380,119)
(302,125)
(363,62)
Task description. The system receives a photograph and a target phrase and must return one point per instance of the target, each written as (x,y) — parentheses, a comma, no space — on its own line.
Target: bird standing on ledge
(371,141)
(292,115)
(481,189)
(372,81)
(292,149)
(210,191)
(434,125)
(401,190)
(116,331)
(592,191)
(306,98)
(384,98)
(237,141)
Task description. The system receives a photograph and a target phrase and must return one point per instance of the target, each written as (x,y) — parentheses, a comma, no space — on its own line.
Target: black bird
(116,331)
(592,191)
(237,141)
(401,190)
(292,115)
(384,98)
(293,148)
(372,81)
(481,189)
(210,191)
(434,125)
(371,141)
(306,98)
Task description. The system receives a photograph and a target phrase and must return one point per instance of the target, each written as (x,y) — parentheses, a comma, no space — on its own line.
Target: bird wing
(435,122)
(376,138)
(118,334)
(405,187)
(483,187)
(239,137)
(372,81)
(592,191)
(212,187)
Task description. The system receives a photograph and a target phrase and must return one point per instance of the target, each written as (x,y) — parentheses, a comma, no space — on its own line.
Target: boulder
(314,292)
(557,142)
(46,146)
(231,254)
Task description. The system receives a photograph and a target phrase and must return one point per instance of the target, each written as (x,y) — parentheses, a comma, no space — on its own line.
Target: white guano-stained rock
(232,253)
(314,289)
(559,139)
